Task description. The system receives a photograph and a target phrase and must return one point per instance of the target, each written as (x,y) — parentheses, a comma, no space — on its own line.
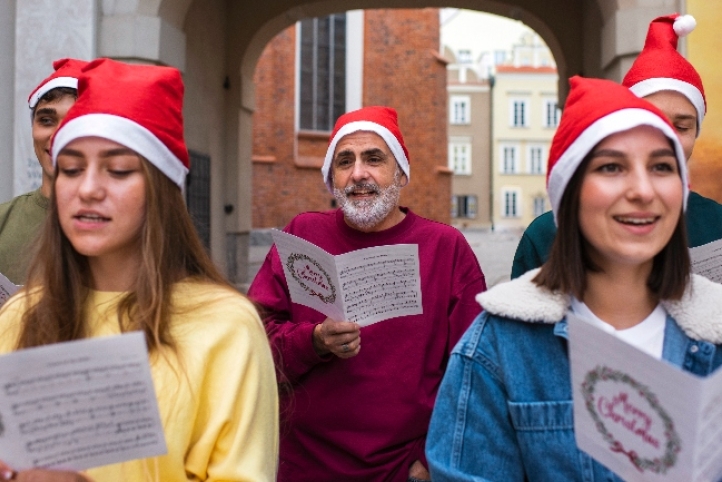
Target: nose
(641,186)
(360,172)
(91,185)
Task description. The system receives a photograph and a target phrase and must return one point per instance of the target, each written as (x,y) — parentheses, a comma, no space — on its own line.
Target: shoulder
(310,219)
(542,226)
(697,201)
(435,231)
(701,209)
(699,311)
(214,311)
(31,203)
(11,315)
(522,299)
(7,207)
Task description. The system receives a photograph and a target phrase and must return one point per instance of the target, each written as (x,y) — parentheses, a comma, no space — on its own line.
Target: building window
(464,56)
(510,203)
(460,109)
(460,157)
(519,115)
(509,159)
(323,71)
(198,195)
(464,207)
(540,206)
(551,113)
(536,160)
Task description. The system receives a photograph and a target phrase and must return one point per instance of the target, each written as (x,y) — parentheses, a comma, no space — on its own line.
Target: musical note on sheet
(365,286)
(707,260)
(79,404)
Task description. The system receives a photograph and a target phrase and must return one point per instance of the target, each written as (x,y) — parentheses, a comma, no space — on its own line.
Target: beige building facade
(469,145)
(525,117)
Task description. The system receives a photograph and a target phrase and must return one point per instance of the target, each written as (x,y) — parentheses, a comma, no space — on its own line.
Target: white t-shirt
(648,335)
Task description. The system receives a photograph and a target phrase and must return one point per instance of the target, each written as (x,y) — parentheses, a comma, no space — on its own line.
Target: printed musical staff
(373,284)
(79,404)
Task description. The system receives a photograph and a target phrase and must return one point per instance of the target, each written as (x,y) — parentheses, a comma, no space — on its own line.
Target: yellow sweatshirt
(217,397)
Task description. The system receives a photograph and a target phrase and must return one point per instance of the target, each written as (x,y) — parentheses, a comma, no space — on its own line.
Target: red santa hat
(660,67)
(596,109)
(378,119)
(138,106)
(66,74)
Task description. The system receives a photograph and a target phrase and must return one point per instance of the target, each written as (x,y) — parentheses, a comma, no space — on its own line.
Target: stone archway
(216,43)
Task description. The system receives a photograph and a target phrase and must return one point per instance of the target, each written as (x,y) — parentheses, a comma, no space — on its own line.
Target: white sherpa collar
(698,313)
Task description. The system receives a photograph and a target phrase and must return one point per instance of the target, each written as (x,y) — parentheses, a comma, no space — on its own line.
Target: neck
(394,217)
(620,295)
(113,273)
(45,185)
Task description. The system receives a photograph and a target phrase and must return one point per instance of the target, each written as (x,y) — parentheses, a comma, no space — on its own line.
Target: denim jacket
(504,409)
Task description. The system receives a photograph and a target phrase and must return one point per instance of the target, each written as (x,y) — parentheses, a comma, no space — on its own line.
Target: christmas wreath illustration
(671,444)
(311,276)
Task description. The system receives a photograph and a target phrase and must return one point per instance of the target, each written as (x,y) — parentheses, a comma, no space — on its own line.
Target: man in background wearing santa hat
(362,415)
(22,217)
(666,79)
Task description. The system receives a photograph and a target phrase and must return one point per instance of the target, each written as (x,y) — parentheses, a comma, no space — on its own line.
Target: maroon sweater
(365,418)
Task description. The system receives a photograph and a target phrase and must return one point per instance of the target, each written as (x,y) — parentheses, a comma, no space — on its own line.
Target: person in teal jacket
(667,80)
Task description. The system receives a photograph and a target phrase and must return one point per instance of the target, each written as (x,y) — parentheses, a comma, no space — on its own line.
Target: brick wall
(401,69)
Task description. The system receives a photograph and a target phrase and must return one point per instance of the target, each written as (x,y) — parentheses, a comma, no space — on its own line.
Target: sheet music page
(7,289)
(380,283)
(79,404)
(310,274)
(707,260)
(633,413)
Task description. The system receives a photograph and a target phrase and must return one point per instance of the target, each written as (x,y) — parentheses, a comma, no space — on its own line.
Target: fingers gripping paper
(364,286)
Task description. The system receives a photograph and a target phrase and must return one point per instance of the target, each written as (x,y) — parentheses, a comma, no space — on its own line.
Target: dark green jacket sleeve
(535,244)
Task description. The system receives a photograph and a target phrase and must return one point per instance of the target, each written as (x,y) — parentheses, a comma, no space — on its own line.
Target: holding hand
(40,475)
(342,338)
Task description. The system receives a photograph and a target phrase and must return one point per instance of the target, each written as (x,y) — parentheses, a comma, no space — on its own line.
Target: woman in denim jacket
(617,182)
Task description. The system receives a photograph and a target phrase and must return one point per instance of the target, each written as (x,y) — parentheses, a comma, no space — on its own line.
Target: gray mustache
(362,187)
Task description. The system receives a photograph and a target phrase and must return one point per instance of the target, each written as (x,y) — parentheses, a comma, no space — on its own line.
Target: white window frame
(471,202)
(545,113)
(515,193)
(530,159)
(524,103)
(354,64)
(514,148)
(463,56)
(464,101)
(460,166)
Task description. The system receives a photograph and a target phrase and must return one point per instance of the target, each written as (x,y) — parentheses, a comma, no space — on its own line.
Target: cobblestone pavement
(494,250)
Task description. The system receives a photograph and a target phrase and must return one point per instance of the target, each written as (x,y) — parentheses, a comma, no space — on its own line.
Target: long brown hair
(170,251)
(566,269)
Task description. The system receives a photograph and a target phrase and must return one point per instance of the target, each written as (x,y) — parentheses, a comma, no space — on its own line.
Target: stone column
(624,31)
(45,30)
(7,91)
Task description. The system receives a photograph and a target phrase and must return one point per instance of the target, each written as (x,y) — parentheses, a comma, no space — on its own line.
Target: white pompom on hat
(594,110)
(137,106)
(660,67)
(377,119)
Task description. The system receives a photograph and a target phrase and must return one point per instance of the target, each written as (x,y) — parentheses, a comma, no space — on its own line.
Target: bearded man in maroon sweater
(362,415)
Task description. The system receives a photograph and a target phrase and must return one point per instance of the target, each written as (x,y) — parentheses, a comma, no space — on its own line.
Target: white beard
(368,213)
